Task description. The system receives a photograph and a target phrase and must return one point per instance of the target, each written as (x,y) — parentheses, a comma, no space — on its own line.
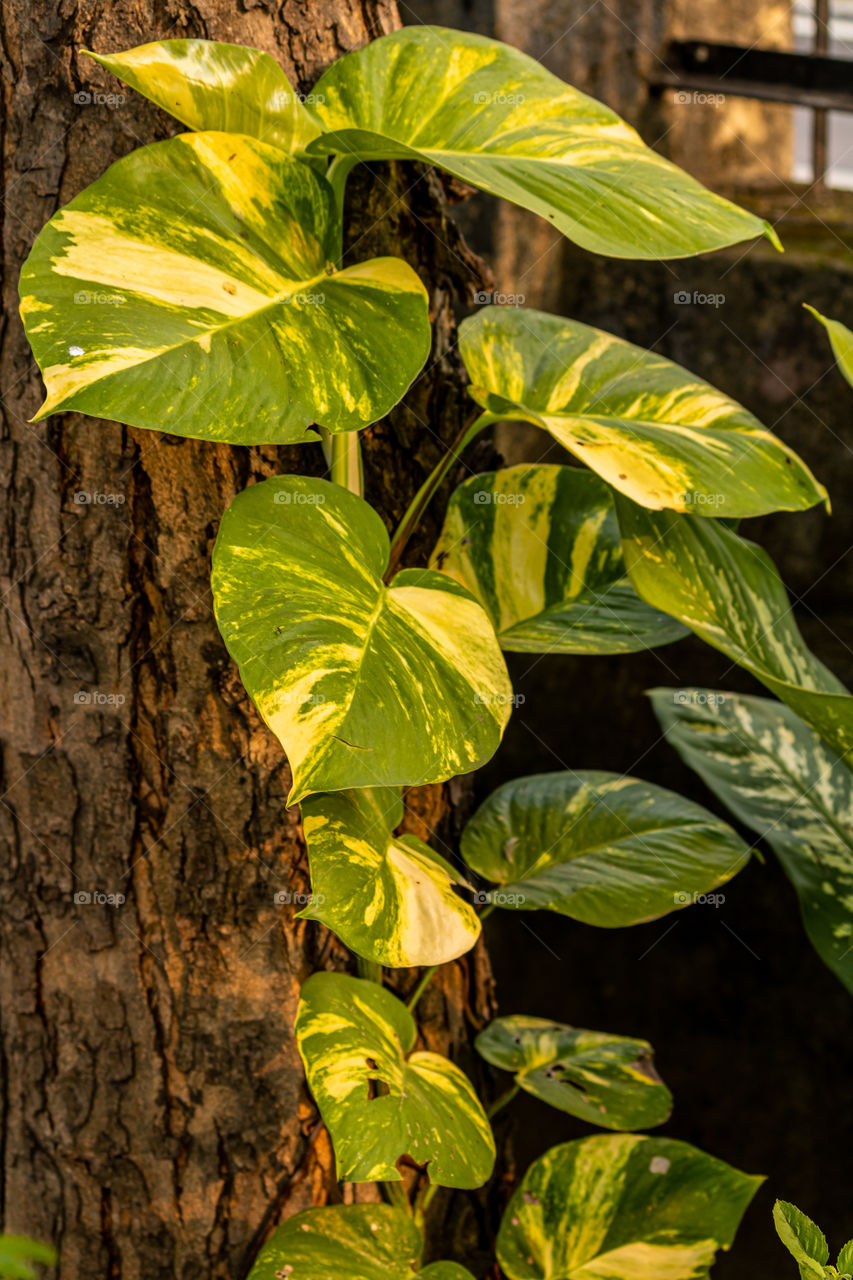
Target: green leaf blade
(539,547)
(624,1207)
(495,118)
(364,685)
(802,1238)
(648,427)
(350,1033)
(777,776)
(607,850)
(188,290)
(389,898)
(208,85)
(841,341)
(604,1079)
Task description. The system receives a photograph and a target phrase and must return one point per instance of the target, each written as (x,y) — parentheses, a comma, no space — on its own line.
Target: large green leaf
(208,85)
(539,548)
(777,777)
(18,1253)
(728,591)
(648,427)
(841,341)
(622,1208)
(497,119)
(803,1239)
(599,847)
(389,898)
(193,289)
(604,1079)
(349,1242)
(365,685)
(379,1100)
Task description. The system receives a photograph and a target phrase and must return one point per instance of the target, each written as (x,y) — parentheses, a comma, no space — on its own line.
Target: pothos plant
(240,323)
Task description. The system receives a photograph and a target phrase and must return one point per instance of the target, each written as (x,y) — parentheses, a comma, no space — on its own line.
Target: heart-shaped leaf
(207,85)
(599,847)
(841,341)
(379,1100)
(803,1239)
(777,777)
(495,118)
(624,1208)
(728,591)
(365,685)
(606,1080)
(389,898)
(349,1242)
(193,289)
(648,427)
(539,547)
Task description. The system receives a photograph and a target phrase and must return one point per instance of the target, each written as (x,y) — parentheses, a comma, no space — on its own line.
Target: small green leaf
(18,1253)
(539,548)
(624,1208)
(193,289)
(728,591)
(389,898)
(802,1238)
(599,847)
(845,1259)
(364,685)
(604,1079)
(649,428)
(777,777)
(495,118)
(379,1100)
(207,85)
(346,1242)
(841,341)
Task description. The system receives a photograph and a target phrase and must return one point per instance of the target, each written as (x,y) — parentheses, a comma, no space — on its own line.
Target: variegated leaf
(389,898)
(208,85)
(604,1079)
(599,847)
(648,427)
(18,1253)
(622,1208)
(193,289)
(495,118)
(364,685)
(379,1100)
(539,548)
(349,1242)
(777,777)
(728,591)
(841,341)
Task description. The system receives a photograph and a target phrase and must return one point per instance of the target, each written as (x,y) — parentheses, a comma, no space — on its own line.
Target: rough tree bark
(154,1117)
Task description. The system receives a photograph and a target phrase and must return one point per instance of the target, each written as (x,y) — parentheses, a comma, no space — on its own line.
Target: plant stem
(370,969)
(345,461)
(426,978)
(397,1196)
(424,495)
(336,175)
(502,1101)
(423,1200)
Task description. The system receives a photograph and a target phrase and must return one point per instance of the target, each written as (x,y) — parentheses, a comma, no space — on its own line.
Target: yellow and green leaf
(349,1242)
(648,427)
(379,1100)
(603,848)
(841,341)
(212,86)
(622,1208)
(364,685)
(495,118)
(539,548)
(604,1079)
(778,778)
(728,591)
(389,898)
(193,289)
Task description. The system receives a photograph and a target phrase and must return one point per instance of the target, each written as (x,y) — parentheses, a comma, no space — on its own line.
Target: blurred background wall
(753,1035)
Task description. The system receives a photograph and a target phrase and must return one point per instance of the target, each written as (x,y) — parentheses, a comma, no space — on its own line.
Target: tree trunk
(154,1116)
